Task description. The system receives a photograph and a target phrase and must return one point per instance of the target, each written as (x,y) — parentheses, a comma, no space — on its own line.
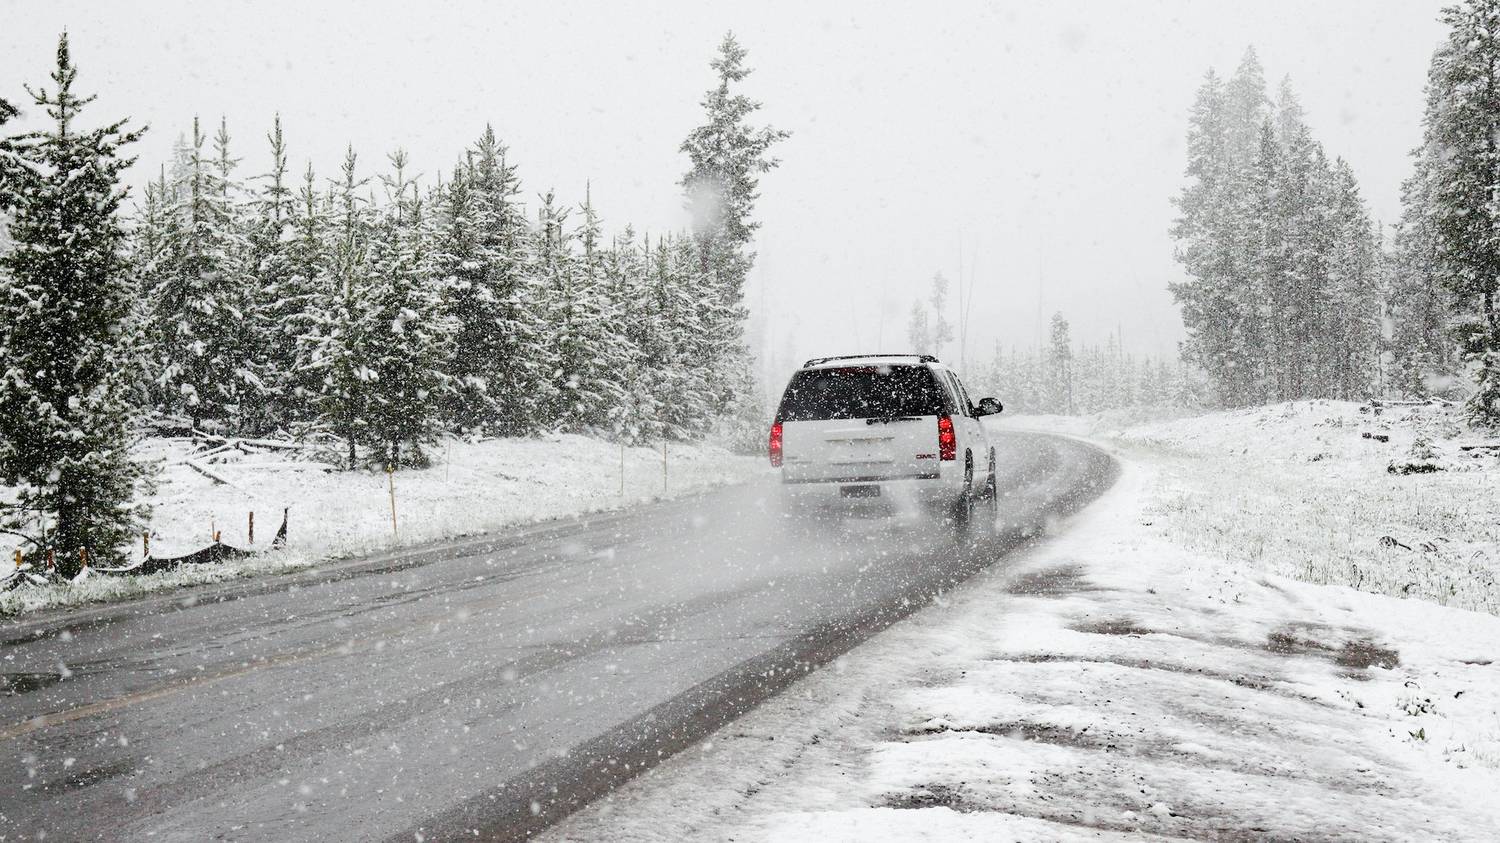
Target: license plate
(859,491)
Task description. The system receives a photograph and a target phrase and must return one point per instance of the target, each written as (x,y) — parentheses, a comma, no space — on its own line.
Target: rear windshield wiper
(889,419)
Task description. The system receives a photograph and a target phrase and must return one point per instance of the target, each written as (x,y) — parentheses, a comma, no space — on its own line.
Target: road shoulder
(1110,685)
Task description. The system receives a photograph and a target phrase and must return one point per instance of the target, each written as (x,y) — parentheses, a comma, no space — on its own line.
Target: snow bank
(471,488)
(1111,684)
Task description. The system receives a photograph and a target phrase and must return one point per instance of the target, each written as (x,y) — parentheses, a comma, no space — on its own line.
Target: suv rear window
(862,392)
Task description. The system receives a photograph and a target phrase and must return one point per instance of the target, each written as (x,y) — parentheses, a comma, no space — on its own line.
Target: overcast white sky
(1045,138)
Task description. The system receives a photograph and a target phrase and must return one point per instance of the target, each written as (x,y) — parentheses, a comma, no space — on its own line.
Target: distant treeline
(1090,379)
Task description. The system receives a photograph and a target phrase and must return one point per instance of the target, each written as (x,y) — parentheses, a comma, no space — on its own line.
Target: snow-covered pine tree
(633,418)
(1352,329)
(712,354)
(495,356)
(605,343)
(942,329)
(726,158)
(453,260)
(555,297)
(1206,246)
(280,298)
(1461,128)
(197,326)
(1147,388)
(1308,194)
(1265,305)
(1417,305)
(408,334)
(67,356)
(919,329)
(1060,367)
(342,331)
(305,299)
(245,393)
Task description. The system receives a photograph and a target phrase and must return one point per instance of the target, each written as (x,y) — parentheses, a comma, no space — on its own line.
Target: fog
(1034,147)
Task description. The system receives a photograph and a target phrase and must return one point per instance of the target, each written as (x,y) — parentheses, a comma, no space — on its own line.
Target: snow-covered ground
(1125,680)
(472,487)
(1307,489)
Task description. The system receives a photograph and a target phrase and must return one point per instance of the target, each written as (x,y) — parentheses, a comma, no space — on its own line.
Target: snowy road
(490,684)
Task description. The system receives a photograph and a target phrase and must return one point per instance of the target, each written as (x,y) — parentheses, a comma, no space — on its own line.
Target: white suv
(897,426)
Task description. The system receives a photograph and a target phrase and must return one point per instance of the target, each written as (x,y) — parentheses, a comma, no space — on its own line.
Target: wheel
(963,507)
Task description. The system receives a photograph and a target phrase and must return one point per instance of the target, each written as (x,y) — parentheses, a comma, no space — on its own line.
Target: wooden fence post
(390,476)
(252,527)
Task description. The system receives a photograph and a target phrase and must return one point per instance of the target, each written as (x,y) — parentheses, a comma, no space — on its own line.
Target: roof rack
(818,361)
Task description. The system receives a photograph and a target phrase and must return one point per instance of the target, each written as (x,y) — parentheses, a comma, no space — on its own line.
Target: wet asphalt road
(489,685)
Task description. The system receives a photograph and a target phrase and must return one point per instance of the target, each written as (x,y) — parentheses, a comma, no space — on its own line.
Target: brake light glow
(776,445)
(947,442)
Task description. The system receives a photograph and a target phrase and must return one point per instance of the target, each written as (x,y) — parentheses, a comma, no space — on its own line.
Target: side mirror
(990,406)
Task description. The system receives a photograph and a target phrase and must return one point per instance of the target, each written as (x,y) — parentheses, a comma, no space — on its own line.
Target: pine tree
(942,329)
(727,156)
(302,303)
(1060,367)
(408,335)
(633,417)
(1461,138)
(342,331)
(279,297)
(454,261)
(1417,304)
(593,376)
(500,375)
(198,321)
(1210,300)
(1265,304)
(1352,300)
(556,299)
(66,338)
(919,329)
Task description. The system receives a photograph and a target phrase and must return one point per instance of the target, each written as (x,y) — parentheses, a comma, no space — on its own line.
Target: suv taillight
(776,445)
(947,442)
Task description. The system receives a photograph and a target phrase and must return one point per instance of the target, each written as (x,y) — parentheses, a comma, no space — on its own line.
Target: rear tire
(963,508)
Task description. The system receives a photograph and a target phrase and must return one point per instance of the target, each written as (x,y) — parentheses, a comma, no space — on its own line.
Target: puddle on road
(1111,626)
(1347,648)
(1052,582)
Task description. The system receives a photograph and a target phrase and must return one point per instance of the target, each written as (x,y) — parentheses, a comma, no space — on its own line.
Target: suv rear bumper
(924,490)
(842,481)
